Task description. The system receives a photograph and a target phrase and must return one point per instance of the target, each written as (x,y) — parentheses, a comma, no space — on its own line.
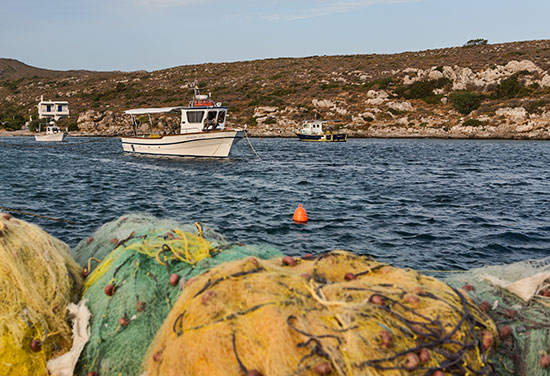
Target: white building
(52,109)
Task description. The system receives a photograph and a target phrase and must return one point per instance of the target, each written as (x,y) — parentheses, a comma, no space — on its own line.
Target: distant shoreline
(20,133)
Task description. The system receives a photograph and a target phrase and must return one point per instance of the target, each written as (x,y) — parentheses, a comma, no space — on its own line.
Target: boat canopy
(159,110)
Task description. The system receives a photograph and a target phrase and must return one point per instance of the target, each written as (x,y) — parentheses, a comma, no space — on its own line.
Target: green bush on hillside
(395,112)
(12,86)
(434,99)
(423,90)
(68,124)
(535,107)
(328,86)
(281,92)
(465,101)
(472,123)
(12,118)
(33,125)
(510,88)
(368,119)
(266,100)
(305,108)
(380,84)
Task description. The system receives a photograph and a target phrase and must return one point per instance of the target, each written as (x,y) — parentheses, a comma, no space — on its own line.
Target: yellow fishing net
(38,279)
(338,314)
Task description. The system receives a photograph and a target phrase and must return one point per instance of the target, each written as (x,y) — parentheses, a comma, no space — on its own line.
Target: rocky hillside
(486,91)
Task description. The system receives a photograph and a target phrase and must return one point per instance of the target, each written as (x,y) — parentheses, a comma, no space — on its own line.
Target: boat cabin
(53,129)
(50,127)
(312,127)
(202,115)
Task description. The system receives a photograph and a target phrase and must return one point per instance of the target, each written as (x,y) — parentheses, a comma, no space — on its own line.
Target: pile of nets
(38,279)
(517,298)
(143,261)
(337,313)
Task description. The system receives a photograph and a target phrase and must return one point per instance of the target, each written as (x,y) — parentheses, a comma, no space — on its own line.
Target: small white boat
(202,131)
(53,134)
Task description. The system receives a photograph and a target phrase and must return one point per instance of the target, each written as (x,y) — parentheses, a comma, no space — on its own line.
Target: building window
(48,108)
(59,108)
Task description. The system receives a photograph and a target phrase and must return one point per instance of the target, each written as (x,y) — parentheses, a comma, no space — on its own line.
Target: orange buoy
(300,215)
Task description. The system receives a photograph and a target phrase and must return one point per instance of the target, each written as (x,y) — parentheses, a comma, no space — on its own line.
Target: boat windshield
(195,116)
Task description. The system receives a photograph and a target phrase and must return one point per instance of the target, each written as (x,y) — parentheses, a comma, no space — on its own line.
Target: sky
(130,35)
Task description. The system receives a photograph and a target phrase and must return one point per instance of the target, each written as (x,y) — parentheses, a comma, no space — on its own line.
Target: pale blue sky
(155,34)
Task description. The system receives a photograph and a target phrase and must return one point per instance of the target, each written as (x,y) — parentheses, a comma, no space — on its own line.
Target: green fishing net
(516,297)
(145,261)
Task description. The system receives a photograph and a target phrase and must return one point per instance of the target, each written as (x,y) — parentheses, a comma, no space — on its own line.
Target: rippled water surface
(427,204)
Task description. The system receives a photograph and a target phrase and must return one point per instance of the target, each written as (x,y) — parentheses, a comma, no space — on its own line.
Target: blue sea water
(426,204)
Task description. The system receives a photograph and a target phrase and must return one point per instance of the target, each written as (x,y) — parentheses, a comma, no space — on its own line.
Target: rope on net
(339,313)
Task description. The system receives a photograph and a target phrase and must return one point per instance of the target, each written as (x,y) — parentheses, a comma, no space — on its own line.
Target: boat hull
(214,144)
(56,137)
(338,137)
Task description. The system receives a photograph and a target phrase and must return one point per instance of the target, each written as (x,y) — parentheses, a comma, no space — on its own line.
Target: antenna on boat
(195,89)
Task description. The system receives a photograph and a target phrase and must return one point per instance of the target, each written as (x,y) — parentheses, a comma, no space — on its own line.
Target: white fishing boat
(202,131)
(53,134)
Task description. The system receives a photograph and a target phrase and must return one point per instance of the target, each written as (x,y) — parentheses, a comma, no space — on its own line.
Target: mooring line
(252,147)
(40,216)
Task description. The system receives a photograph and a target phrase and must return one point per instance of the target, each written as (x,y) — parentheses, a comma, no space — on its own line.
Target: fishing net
(112,234)
(38,279)
(517,298)
(134,287)
(338,313)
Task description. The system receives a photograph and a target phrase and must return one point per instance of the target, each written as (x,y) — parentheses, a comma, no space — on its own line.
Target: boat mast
(196,92)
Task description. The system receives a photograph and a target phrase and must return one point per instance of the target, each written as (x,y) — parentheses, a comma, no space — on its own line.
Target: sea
(428,204)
